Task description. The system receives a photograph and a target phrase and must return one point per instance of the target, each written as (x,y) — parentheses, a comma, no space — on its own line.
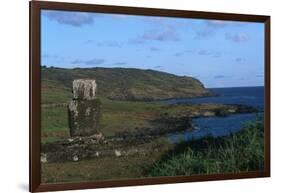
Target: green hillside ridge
(125,83)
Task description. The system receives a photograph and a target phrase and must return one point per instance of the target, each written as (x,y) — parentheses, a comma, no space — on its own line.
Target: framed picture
(123,96)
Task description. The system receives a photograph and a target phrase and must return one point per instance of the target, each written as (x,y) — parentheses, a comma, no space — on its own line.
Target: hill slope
(125,83)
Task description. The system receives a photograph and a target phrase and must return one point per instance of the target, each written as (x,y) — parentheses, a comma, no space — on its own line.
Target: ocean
(221,126)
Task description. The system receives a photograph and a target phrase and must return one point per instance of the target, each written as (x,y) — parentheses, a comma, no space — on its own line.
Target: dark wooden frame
(35,94)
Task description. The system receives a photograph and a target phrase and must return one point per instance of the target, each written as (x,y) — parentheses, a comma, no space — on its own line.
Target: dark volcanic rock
(82,148)
(246,109)
(84,117)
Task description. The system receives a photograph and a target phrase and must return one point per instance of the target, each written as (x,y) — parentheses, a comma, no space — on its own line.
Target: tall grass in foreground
(243,151)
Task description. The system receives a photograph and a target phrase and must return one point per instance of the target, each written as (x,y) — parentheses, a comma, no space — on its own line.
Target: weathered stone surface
(95,146)
(84,109)
(84,117)
(84,89)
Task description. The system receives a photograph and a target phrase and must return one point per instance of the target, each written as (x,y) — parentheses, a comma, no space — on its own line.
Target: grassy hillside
(121,83)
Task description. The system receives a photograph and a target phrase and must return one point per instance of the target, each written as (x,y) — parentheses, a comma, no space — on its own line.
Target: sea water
(221,126)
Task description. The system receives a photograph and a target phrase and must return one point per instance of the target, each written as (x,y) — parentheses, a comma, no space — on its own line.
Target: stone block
(84,117)
(84,89)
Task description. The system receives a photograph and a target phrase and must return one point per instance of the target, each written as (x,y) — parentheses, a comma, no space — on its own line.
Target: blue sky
(218,53)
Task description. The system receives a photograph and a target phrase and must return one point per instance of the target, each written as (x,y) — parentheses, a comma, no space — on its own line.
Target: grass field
(239,152)
(106,168)
(117,116)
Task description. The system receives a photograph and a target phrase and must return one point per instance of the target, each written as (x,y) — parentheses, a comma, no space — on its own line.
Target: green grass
(54,124)
(236,153)
(117,116)
(232,154)
(106,168)
(53,93)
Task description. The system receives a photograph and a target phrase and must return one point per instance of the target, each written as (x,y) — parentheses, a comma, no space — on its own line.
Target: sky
(218,53)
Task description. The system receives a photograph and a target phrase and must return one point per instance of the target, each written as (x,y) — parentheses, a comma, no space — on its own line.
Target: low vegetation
(239,152)
(128,117)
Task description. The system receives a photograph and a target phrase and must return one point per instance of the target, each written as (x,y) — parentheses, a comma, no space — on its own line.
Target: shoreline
(62,150)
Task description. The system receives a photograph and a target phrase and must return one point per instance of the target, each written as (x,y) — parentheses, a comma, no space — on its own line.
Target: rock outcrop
(84,109)
(83,148)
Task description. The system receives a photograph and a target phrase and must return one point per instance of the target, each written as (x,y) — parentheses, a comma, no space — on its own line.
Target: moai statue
(84,109)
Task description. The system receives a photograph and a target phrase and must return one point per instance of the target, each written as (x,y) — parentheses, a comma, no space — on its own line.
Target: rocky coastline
(130,143)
